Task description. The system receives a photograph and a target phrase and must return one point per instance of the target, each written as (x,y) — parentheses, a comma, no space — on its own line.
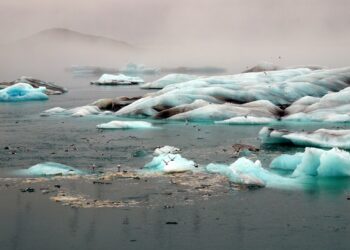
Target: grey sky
(156,21)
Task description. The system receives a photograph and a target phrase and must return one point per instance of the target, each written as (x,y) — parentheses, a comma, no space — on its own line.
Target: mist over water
(231,34)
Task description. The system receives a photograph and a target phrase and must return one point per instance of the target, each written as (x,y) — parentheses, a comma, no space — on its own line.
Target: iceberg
(166,150)
(75,112)
(22,92)
(125,125)
(323,138)
(170,163)
(248,173)
(135,69)
(109,79)
(332,107)
(168,80)
(316,163)
(240,94)
(50,88)
(50,169)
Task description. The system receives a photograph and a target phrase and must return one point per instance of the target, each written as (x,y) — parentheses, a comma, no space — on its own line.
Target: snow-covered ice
(22,92)
(166,150)
(324,138)
(125,125)
(109,79)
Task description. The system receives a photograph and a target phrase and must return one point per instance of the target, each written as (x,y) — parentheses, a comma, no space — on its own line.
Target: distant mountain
(70,36)
(56,49)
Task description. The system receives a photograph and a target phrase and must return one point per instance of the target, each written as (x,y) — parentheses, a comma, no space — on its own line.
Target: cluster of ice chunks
(323,138)
(242,98)
(22,92)
(315,162)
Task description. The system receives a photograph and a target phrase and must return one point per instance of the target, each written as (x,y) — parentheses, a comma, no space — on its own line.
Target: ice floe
(109,79)
(50,169)
(324,138)
(170,163)
(168,80)
(125,125)
(22,92)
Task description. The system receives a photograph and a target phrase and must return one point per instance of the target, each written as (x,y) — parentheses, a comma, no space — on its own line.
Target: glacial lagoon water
(314,217)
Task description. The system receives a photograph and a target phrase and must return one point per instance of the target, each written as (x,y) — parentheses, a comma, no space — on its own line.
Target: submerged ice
(50,169)
(22,92)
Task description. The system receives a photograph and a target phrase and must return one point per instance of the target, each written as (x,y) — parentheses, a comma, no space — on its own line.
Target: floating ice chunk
(316,162)
(246,172)
(125,125)
(76,112)
(50,169)
(50,88)
(287,162)
(22,92)
(247,120)
(167,80)
(170,163)
(324,138)
(166,150)
(109,79)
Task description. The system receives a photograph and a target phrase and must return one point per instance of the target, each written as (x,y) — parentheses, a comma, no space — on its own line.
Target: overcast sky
(155,21)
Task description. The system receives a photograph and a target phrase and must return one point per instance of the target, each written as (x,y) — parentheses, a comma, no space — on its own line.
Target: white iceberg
(170,163)
(125,125)
(109,79)
(22,92)
(166,150)
(75,112)
(168,80)
(315,162)
(324,138)
(50,169)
